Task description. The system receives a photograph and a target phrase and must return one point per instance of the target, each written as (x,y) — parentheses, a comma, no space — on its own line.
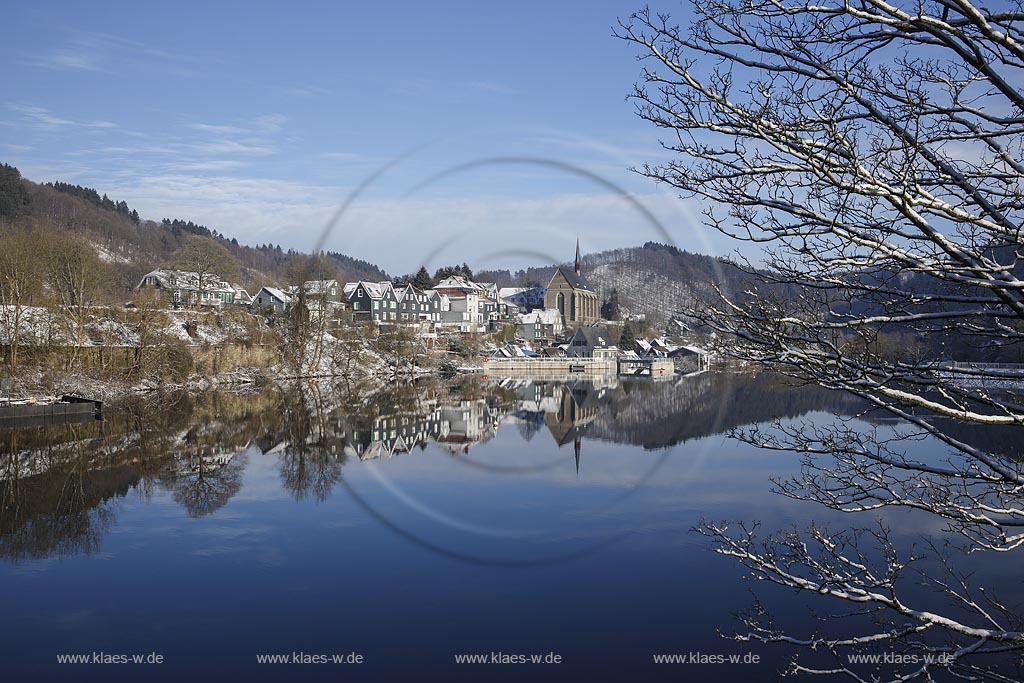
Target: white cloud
(41,117)
(400,234)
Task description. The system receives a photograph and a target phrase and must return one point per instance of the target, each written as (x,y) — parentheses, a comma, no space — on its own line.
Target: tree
(875,152)
(627,341)
(209,260)
(14,198)
(422,279)
(610,309)
(308,317)
(21,279)
(77,277)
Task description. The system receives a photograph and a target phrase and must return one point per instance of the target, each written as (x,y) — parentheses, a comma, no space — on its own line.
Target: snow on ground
(108,256)
(105,327)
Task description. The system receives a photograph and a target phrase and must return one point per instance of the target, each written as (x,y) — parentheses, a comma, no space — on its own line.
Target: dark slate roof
(599,336)
(574,280)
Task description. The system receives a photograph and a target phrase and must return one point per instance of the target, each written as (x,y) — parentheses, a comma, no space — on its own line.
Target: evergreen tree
(14,198)
(610,309)
(422,279)
(627,342)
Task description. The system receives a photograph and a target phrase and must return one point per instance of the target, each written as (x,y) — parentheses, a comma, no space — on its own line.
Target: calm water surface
(407,526)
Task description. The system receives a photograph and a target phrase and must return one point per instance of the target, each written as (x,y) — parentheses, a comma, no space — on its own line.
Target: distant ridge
(135,245)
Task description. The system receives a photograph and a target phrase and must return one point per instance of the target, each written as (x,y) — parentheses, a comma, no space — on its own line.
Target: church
(571,296)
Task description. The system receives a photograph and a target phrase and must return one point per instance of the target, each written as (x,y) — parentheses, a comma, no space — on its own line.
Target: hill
(134,246)
(655,280)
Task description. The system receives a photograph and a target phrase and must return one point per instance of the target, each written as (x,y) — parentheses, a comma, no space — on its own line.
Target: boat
(31,412)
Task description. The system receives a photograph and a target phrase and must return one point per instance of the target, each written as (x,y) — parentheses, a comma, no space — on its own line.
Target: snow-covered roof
(405,290)
(314,287)
(506,292)
(278,294)
(597,336)
(541,316)
(186,280)
(375,290)
(459,282)
(694,349)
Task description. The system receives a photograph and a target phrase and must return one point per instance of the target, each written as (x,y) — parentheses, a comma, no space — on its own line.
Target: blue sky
(259,119)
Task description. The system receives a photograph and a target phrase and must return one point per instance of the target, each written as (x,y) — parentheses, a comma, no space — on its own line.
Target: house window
(375,305)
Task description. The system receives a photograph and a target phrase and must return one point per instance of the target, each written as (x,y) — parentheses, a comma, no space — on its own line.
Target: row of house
(456,302)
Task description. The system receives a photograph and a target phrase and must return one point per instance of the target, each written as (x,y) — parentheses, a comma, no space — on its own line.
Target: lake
(400,529)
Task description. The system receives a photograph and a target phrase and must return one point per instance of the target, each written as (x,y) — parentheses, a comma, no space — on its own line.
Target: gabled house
(327,290)
(413,304)
(594,341)
(271,300)
(242,297)
(186,289)
(374,301)
(544,324)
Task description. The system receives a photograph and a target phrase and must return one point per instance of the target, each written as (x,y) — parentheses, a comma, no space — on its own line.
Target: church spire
(579,260)
(576,447)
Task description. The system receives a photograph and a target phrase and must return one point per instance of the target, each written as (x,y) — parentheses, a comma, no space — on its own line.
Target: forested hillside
(132,245)
(655,280)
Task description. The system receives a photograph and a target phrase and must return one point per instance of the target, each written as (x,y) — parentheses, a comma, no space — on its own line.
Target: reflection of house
(574,299)
(185,288)
(455,427)
(577,406)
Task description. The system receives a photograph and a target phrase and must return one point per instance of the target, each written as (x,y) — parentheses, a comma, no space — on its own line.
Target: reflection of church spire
(576,446)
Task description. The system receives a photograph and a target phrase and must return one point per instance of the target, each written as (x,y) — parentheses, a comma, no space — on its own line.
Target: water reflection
(60,484)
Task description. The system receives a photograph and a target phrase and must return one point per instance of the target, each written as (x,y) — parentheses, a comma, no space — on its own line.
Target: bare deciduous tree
(76,278)
(21,280)
(209,260)
(874,151)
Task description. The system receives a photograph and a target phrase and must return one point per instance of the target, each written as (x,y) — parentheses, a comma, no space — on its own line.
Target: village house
(184,289)
(466,304)
(572,297)
(242,297)
(539,325)
(326,290)
(271,300)
(594,341)
(413,304)
(376,301)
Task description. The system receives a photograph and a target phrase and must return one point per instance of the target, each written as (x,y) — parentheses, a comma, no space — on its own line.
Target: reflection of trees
(203,483)
(312,460)
(64,513)
(59,483)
